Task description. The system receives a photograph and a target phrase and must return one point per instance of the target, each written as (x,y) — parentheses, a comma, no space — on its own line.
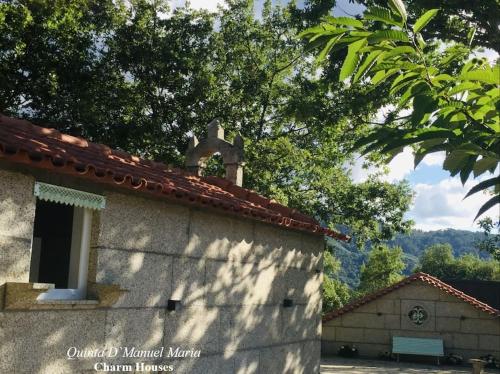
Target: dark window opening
(51,243)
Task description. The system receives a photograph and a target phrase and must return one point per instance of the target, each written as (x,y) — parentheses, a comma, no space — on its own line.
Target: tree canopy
(454,17)
(452,99)
(384,267)
(439,261)
(141,77)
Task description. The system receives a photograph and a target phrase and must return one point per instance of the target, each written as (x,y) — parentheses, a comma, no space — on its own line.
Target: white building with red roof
(419,306)
(108,261)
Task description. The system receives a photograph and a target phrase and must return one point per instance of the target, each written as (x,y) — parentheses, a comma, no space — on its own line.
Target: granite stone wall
(464,329)
(231,276)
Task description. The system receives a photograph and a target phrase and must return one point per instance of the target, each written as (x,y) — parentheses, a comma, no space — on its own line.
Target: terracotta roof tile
(25,143)
(423,277)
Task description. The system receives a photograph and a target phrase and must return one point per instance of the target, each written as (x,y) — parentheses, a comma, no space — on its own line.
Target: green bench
(417,346)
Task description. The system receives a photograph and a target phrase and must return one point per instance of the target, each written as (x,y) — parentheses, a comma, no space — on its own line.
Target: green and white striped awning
(68,196)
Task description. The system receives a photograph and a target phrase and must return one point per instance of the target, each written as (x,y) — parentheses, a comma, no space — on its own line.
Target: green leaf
(381,75)
(455,161)
(421,42)
(470,36)
(378,36)
(485,76)
(484,164)
(466,86)
(328,47)
(366,65)
(489,204)
(467,168)
(424,20)
(399,7)
(351,60)
(346,21)
(415,89)
(422,105)
(404,49)
(383,15)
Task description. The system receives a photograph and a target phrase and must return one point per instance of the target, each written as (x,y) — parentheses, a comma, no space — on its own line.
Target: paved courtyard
(334,365)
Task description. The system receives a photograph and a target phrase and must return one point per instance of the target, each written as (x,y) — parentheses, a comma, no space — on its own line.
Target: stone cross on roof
(199,151)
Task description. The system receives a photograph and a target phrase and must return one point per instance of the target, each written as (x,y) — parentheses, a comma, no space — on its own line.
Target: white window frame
(83,204)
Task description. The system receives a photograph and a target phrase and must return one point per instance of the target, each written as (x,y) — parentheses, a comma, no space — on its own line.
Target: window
(61,240)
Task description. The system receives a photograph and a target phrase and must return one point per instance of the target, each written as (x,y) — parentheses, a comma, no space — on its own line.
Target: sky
(438,202)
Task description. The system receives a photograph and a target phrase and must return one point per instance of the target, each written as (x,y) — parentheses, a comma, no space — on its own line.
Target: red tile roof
(25,143)
(422,277)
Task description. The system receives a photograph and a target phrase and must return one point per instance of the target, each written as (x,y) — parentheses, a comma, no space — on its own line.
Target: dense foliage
(452,100)
(335,292)
(413,244)
(454,17)
(141,77)
(384,266)
(439,261)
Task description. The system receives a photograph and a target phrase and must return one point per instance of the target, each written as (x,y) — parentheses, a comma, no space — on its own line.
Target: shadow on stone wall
(230,275)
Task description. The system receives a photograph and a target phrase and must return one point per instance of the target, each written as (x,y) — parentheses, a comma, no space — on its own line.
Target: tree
(454,17)
(383,268)
(438,260)
(140,77)
(335,292)
(452,99)
(491,241)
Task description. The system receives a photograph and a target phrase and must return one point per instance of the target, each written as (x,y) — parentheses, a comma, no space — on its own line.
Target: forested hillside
(413,245)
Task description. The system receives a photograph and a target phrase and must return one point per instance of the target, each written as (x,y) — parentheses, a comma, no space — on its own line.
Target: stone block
(301,286)
(298,324)
(329,347)
(146,276)
(419,290)
(288,359)
(386,306)
(213,364)
(392,321)
(233,283)
(465,341)
(354,319)
(310,357)
(242,248)
(15,259)
(489,342)
(196,327)
(428,324)
(214,235)
(270,243)
(250,327)
(350,334)
(456,309)
(188,281)
(151,225)
(328,333)
(38,342)
(246,362)
(17,204)
(481,326)
(446,324)
(337,321)
(370,307)
(138,328)
(377,336)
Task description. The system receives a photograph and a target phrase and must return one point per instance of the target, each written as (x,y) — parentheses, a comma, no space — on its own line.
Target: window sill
(23,296)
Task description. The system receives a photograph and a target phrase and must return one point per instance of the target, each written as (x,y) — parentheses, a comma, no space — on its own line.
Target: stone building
(419,306)
(101,251)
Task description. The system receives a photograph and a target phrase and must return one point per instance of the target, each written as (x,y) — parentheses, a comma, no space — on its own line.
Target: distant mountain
(413,245)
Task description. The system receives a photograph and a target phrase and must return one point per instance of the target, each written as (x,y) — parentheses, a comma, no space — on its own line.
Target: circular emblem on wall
(417,315)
